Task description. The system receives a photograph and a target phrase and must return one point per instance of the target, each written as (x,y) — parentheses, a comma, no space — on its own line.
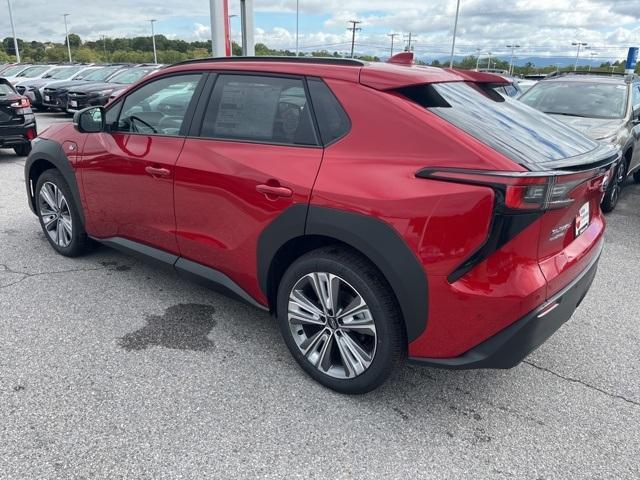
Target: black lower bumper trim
(510,346)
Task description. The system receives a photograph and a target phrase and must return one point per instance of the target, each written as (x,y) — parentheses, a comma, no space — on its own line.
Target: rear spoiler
(479,77)
(4,81)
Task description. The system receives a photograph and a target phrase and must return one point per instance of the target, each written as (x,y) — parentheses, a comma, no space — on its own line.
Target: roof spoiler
(479,77)
(402,58)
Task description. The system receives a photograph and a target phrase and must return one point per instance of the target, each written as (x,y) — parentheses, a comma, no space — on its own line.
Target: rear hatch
(562,185)
(8,100)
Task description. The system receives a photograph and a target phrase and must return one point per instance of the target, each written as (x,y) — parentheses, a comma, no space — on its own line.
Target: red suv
(377,210)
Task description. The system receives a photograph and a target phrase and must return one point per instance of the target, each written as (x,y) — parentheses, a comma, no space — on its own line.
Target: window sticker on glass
(246,111)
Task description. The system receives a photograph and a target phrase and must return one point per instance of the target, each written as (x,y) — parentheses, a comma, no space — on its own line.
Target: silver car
(605,107)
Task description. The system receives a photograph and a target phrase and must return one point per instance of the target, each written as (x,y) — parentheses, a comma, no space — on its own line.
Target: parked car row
(71,87)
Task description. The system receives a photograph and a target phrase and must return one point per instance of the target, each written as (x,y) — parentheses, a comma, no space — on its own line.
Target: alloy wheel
(332,325)
(55,214)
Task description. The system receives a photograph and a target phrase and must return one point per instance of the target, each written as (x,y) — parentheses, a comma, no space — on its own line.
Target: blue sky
(541,27)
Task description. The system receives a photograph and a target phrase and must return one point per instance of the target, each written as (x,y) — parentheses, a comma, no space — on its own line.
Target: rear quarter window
(333,121)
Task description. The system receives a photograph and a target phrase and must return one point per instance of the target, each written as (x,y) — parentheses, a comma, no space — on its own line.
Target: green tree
(74,40)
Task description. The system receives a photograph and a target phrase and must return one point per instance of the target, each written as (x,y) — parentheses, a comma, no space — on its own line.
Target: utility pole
(455,30)
(297,23)
(66,30)
(408,47)
(592,54)
(392,35)
(230,40)
(153,40)
(478,50)
(13,31)
(578,44)
(512,47)
(353,29)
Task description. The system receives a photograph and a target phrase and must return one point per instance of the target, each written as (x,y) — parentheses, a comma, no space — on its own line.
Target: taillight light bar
(523,191)
(520,199)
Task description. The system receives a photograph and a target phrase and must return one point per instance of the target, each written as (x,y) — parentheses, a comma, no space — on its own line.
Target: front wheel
(615,188)
(59,216)
(340,320)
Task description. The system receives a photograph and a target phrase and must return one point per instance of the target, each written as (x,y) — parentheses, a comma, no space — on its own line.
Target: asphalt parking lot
(112,368)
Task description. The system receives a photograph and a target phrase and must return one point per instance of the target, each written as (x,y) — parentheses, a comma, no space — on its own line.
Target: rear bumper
(15,135)
(510,346)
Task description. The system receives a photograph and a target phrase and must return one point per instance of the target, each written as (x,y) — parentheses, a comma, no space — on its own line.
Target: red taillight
(31,134)
(524,191)
(22,103)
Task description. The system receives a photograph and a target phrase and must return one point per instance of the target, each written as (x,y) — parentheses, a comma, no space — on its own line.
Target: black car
(55,96)
(17,121)
(93,94)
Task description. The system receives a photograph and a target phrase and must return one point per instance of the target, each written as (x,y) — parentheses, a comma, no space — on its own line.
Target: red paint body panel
(209,210)
(220,215)
(122,199)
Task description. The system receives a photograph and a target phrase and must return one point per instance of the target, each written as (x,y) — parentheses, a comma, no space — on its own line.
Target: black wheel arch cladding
(373,238)
(51,151)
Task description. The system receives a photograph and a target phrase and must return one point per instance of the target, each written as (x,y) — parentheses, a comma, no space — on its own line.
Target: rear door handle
(157,171)
(273,191)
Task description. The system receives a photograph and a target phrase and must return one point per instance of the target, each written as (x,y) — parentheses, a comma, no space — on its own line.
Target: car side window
(333,121)
(635,97)
(158,107)
(261,109)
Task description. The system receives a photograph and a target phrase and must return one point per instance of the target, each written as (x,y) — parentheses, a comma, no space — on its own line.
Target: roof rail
(320,60)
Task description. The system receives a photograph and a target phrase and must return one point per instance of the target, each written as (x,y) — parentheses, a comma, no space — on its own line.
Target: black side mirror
(90,120)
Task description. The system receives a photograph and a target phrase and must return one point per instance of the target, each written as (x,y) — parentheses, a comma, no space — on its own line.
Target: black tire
(79,242)
(612,195)
(636,176)
(23,150)
(369,284)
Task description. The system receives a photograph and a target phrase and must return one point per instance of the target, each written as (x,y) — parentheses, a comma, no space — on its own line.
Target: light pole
(392,35)
(153,40)
(512,47)
(455,30)
(578,44)
(66,31)
(13,31)
(489,60)
(297,23)
(478,51)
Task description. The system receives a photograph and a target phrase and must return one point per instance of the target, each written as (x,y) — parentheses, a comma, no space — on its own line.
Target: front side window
(259,109)
(579,99)
(158,107)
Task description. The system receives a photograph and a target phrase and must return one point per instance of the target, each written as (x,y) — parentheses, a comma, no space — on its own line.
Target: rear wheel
(59,216)
(23,150)
(340,321)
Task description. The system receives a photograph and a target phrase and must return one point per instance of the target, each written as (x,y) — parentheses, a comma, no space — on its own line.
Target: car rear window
(519,132)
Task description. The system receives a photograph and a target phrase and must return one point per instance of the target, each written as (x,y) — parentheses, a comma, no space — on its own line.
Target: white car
(30,73)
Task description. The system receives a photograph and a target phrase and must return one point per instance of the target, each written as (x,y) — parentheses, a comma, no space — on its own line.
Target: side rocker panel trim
(196,272)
